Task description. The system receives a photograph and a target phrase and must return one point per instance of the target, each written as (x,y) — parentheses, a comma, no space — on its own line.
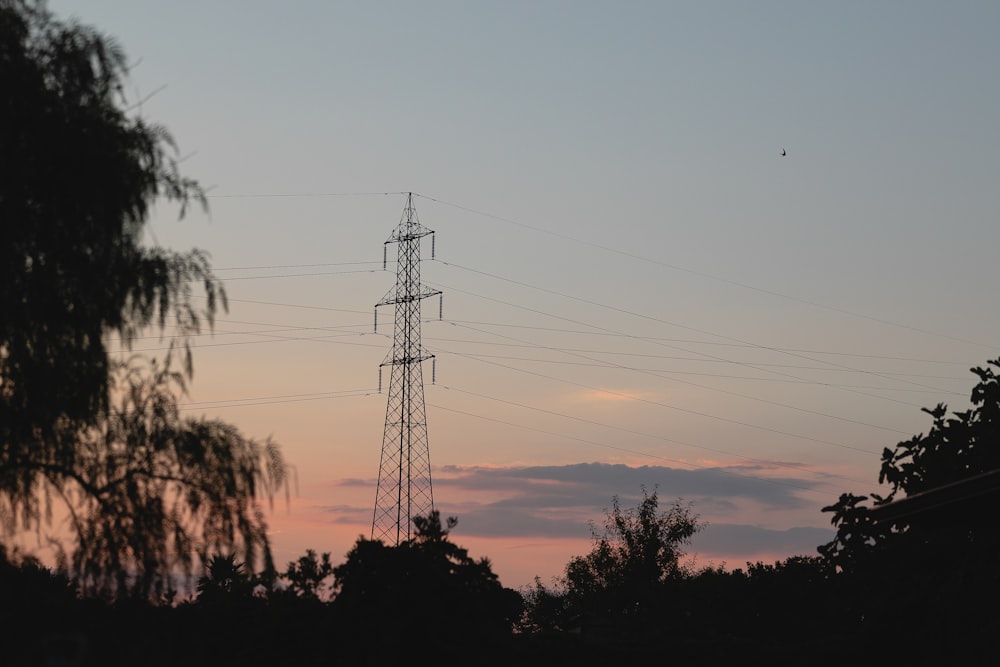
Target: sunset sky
(639,290)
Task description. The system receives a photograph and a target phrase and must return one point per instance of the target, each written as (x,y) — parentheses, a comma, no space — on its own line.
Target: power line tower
(404,475)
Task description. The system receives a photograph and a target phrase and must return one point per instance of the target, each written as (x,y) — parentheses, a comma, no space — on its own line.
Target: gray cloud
(493,521)
(349,514)
(537,502)
(354,481)
(723,540)
(571,484)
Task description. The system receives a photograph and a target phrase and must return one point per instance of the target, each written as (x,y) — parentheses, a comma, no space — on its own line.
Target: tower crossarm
(392,297)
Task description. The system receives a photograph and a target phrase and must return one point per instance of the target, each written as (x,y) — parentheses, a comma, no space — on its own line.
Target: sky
(639,289)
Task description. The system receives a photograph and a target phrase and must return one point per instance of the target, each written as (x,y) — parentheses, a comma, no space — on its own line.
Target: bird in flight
(783,152)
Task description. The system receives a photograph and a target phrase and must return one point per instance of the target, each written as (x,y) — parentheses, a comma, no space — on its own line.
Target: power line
(365,328)
(733,342)
(719,343)
(649,435)
(702,274)
(355,393)
(303,194)
(889,375)
(694,359)
(735,393)
(728,343)
(274,339)
(765,368)
(623,253)
(617,251)
(611,392)
(269,400)
(291,266)
(301,275)
(290,305)
(749,365)
(732,393)
(731,361)
(651,339)
(661,371)
(884,374)
(661,321)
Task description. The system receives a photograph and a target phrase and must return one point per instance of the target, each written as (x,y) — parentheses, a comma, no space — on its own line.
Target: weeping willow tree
(147,492)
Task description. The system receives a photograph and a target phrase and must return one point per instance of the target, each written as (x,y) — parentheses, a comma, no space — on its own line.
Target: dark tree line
(908,578)
(382,604)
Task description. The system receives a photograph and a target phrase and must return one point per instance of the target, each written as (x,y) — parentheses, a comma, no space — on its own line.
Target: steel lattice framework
(404,475)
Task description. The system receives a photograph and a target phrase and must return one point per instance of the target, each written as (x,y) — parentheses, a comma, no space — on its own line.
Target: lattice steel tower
(404,475)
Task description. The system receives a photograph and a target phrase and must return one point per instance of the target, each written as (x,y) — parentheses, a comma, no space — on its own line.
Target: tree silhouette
(308,576)
(225,578)
(956,449)
(638,550)
(928,546)
(394,596)
(145,490)
(624,575)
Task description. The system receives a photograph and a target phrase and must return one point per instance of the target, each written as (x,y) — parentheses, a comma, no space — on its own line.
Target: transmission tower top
(409,225)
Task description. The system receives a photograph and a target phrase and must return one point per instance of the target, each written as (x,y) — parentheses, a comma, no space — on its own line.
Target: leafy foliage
(309,577)
(152,493)
(928,546)
(404,592)
(76,183)
(638,552)
(145,490)
(225,580)
(954,449)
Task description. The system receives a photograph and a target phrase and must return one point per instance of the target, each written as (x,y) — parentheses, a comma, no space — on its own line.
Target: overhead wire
(330,338)
(705,342)
(678,358)
(735,342)
(303,194)
(656,340)
(269,400)
(303,275)
(276,339)
(354,393)
(617,251)
(731,361)
(610,249)
(703,274)
(605,363)
(618,394)
(660,321)
(648,435)
(732,393)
